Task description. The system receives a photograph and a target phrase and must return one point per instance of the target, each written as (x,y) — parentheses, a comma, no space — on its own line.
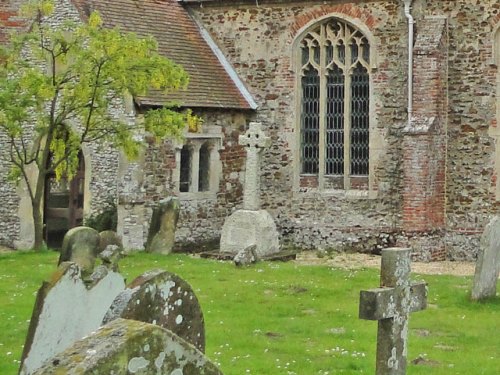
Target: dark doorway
(63,205)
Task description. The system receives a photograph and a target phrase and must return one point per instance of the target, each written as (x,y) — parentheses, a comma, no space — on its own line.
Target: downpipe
(411,23)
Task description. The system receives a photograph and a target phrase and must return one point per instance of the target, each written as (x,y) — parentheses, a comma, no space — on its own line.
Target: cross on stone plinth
(391,305)
(254,140)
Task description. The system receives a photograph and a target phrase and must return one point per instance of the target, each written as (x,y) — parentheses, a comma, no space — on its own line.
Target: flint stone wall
(101,165)
(262,56)
(202,214)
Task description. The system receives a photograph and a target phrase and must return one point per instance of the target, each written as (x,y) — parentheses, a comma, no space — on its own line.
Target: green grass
(280,318)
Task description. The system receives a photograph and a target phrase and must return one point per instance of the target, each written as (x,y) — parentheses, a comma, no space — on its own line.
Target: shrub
(105,219)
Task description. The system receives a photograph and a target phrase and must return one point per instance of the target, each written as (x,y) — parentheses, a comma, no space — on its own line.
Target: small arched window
(334,91)
(204,169)
(185,170)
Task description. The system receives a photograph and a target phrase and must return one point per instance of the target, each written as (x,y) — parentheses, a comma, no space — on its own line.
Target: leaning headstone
(81,246)
(130,347)
(488,262)
(162,298)
(246,256)
(110,257)
(67,309)
(161,235)
(391,305)
(109,237)
(251,225)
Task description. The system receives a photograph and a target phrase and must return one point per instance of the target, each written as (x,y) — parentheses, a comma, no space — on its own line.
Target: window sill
(351,194)
(201,195)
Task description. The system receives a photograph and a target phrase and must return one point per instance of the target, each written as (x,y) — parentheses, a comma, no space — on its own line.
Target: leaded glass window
(335,102)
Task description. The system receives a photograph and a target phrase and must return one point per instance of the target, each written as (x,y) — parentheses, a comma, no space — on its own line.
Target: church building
(383,117)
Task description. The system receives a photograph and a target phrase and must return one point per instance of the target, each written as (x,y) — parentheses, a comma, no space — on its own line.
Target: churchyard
(286,318)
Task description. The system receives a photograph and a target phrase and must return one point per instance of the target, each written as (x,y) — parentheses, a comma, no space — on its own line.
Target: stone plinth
(245,228)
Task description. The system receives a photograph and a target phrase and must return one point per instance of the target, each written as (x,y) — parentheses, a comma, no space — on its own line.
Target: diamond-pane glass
(360,87)
(335,122)
(335,79)
(310,122)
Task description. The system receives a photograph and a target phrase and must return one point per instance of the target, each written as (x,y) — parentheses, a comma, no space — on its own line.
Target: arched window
(204,169)
(198,165)
(334,90)
(185,170)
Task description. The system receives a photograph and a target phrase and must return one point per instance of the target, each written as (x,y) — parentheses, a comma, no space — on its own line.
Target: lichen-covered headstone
(161,235)
(81,246)
(488,262)
(110,256)
(162,298)
(130,347)
(67,309)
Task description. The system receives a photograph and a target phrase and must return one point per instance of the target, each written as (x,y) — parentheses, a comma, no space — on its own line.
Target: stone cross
(254,140)
(391,305)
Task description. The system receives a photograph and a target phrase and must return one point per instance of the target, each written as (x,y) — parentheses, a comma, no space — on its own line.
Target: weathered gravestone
(391,305)
(488,262)
(109,237)
(162,298)
(110,256)
(161,235)
(130,347)
(251,225)
(81,246)
(67,309)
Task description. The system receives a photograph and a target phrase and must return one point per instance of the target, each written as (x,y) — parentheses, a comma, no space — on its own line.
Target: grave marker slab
(67,309)
(488,262)
(391,305)
(81,246)
(161,235)
(162,298)
(130,347)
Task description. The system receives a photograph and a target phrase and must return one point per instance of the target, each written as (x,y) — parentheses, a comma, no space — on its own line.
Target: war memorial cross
(391,305)
(254,140)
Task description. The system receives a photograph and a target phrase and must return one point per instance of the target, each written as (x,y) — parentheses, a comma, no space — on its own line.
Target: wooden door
(63,205)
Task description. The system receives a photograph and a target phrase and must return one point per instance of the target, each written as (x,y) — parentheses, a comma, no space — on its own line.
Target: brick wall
(10,21)
(425,135)
(201,215)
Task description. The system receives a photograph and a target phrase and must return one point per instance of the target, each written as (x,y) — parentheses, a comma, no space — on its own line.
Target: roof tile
(180,40)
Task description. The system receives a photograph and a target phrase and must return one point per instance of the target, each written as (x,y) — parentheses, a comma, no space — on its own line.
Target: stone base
(245,228)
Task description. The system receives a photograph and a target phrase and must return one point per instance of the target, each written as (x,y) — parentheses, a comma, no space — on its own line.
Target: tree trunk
(37,205)
(38,223)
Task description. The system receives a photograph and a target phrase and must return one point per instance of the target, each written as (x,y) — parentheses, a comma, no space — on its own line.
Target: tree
(56,85)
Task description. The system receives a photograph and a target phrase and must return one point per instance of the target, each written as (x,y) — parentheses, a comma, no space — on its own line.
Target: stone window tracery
(334,120)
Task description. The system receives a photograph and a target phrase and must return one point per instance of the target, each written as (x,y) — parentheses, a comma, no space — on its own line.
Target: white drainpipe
(411,22)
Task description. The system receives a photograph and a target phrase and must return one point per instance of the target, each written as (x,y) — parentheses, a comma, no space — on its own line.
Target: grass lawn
(283,319)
